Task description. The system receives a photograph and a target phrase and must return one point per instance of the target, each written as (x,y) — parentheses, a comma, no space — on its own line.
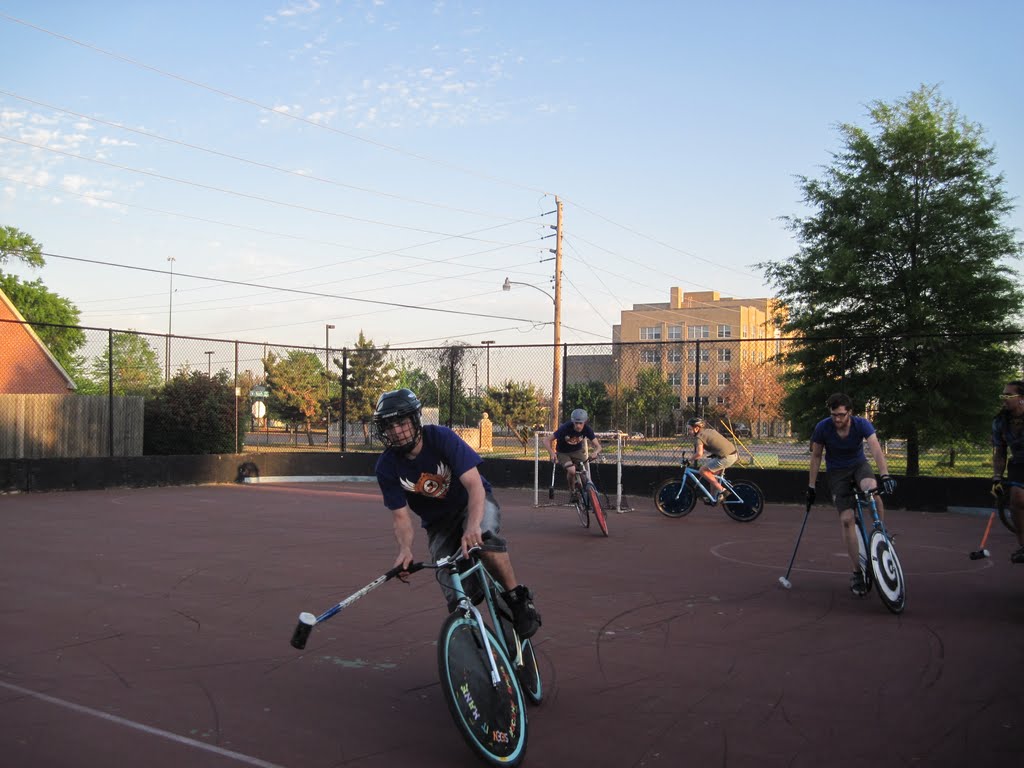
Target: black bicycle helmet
(696,421)
(578,416)
(397,404)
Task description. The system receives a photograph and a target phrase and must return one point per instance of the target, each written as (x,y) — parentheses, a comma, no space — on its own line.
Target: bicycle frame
(693,475)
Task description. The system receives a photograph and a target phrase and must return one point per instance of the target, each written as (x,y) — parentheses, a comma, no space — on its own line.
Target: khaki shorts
(445,538)
(719,463)
(844,482)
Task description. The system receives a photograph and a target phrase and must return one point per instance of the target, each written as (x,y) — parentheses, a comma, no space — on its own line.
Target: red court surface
(150,628)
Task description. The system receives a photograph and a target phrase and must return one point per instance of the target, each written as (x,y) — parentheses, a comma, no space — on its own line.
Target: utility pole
(556,378)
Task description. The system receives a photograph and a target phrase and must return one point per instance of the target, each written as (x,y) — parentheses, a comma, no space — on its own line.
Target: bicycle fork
(466,605)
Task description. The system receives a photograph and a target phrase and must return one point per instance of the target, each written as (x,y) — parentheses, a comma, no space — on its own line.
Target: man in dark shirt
(1008,434)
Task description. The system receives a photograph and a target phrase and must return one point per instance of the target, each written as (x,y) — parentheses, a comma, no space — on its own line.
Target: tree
(136,367)
(652,399)
(517,405)
(296,385)
(370,374)
(38,304)
(905,251)
(15,244)
(193,414)
(592,396)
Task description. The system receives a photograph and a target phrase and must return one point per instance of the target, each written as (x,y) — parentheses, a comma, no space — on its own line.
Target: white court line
(312,479)
(140,727)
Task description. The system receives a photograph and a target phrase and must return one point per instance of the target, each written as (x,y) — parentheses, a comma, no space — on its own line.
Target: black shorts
(844,482)
(1015,472)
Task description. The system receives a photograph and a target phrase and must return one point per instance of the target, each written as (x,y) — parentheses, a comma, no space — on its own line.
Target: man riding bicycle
(432,472)
(569,444)
(1008,433)
(721,454)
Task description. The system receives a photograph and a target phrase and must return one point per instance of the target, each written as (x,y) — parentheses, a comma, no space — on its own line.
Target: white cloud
(107,141)
(299,9)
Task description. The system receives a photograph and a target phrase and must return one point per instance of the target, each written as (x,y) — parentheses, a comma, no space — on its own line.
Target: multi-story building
(716,353)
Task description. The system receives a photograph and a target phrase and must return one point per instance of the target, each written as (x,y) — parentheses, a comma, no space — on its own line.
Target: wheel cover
(888,573)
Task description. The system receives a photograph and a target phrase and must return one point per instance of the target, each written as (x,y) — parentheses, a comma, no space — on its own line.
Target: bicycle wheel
(490,717)
(674,499)
(862,557)
(582,507)
(1006,518)
(745,503)
(527,670)
(594,499)
(887,571)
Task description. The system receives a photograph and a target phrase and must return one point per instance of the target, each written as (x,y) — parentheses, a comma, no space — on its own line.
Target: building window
(674,380)
(650,334)
(691,378)
(674,355)
(699,331)
(723,401)
(703,400)
(675,332)
(724,378)
(725,331)
(648,356)
(725,355)
(691,355)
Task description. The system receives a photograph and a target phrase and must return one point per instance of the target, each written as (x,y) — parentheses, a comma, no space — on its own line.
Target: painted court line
(238,756)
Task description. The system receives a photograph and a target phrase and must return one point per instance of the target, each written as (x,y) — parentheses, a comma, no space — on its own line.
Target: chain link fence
(70,391)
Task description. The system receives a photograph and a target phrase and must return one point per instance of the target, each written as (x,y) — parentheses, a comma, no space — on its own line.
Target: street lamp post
(760,407)
(209,358)
(170,306)
(476,381)
(556,379)
(327,378)
(487,380)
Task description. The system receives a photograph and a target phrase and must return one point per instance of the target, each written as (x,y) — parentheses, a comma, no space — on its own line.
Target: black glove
(812,494)
(888,484)
(997,488)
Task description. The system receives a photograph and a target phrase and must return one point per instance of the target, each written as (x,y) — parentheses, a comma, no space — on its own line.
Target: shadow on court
(150,628)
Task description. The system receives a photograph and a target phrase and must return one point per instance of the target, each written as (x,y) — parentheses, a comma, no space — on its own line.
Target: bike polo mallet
(551,488)
(307,620)
(981,552)
(784,580)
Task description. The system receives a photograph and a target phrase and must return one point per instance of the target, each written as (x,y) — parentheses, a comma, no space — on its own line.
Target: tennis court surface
(150,627)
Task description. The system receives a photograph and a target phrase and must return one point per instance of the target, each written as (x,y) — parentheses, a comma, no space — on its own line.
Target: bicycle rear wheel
(862,557)
(888,572)
(745,503)
(528,671)
(673,499)
(594,500)
(582,507)
(490,717)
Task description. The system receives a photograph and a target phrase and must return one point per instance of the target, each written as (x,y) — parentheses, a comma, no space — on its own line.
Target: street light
(170,305)
(487,381)
(476,381)
(327,377)
(209,357)
(556,376)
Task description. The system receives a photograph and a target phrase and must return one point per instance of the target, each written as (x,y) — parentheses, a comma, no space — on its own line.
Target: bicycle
(878,549)
(486,675)
(587,498)
(1005,514)
(676,497)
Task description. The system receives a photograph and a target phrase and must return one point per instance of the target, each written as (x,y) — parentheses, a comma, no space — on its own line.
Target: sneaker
(857,585)
(1018,556)
(524,614)
(721,497)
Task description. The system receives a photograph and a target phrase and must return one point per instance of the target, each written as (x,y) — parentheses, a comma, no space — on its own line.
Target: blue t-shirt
(569,440)
(429,483)
(1006,433)
(842,453)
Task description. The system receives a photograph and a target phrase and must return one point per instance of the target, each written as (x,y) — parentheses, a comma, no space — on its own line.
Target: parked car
(741,429)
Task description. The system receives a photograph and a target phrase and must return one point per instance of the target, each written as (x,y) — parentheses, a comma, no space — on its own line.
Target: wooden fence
(69,426)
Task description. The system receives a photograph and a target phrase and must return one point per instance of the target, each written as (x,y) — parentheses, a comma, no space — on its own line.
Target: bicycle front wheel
(1006,518)
(888,572)
(594,498)
(745,503)
(490,717)
(673,499)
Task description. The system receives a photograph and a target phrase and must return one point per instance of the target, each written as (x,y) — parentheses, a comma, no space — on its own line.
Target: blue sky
(405,152)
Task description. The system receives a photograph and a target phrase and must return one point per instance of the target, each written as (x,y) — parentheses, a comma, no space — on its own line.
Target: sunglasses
(1005,396)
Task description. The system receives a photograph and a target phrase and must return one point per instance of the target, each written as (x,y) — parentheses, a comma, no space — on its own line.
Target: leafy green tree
(418,380)
(652,400)
(518,406)
(906,248)
(136,368)
(193,414)
(296,384)
(592,396)
(15,244)
(370,374)
(38,304)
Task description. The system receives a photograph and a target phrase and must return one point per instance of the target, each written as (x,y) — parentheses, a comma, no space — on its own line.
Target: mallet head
(980,554)
(785,582)
(303,630)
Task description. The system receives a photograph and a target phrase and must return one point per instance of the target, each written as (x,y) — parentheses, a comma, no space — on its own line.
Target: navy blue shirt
(429,483)
(569,440)
(842,453)
(1007,433)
